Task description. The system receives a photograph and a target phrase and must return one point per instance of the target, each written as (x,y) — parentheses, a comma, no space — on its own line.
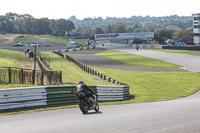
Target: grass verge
(10,58)
(3,40)
(72,74)
(53,39)
(145,86)
(27,38)
(136,60)
(153,86)
(84,42)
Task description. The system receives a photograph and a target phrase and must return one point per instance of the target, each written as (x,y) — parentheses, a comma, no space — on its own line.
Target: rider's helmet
(81,82)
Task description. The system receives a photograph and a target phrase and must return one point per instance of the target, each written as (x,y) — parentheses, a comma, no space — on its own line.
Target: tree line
(169,27)
(27,24)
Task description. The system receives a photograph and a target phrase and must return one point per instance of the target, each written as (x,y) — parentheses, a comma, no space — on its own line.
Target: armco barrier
(55,95)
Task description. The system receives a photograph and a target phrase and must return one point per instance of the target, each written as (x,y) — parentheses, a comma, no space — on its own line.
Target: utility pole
(35,58)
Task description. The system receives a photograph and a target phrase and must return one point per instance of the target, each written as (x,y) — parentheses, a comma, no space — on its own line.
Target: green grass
(3,40)
(72,74)
(27,38)
(53,39)
(84,42)
(7,86)
(153,86)
(173,50)
(145,86)
(136,60)
(10,58)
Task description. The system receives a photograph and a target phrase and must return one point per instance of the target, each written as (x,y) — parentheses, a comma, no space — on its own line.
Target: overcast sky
(56,9)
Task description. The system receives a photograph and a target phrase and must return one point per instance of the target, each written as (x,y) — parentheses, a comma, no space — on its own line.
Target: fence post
(42,78)
(33,77)
(50,78)
(60,77)
(9,74)
(22,72)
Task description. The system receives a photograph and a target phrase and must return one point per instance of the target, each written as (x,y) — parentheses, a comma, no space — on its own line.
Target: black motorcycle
(86,104)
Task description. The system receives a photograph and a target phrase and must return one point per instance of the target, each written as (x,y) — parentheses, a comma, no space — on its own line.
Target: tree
(185,32)
(98,30)
(109,29)
(119,27)
(164,34)
(42,26)
(69,26)
(138,30)
(63,26)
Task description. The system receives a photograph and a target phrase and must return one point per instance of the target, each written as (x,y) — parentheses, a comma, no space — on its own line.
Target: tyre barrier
(56,95)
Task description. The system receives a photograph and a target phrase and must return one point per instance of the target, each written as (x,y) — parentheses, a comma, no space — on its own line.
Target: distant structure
(196,28)
(186,39)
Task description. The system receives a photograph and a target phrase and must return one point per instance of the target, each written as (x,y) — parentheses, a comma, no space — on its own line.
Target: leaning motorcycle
(86,104)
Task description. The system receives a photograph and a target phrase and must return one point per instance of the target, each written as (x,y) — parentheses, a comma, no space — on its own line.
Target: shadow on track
(92,113)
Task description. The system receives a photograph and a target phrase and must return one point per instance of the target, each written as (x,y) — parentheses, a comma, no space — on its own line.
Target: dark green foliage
(26,24)
(165,33)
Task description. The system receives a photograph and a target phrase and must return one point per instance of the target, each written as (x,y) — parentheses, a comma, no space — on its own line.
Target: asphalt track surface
(180,115)
(173,116)
(188,62)
(89,58)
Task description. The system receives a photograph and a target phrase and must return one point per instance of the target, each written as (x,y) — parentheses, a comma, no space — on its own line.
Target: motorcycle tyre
(83,107)
(96,107)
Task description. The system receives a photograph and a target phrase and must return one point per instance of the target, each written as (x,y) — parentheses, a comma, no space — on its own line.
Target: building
(196,28)
(186,39)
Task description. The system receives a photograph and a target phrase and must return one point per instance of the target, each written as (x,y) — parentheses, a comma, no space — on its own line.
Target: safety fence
(12,75)
(90,70)
(56,95)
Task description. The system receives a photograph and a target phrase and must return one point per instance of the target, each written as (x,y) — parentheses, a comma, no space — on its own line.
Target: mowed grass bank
(136,60)
(145,86)
(3,40)
(153,86)
(49,38)
(72,74)
(10,58)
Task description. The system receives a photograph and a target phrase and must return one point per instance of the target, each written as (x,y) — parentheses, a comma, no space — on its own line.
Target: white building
(196,28)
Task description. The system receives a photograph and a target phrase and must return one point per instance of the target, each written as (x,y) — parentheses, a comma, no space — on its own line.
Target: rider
(82,87)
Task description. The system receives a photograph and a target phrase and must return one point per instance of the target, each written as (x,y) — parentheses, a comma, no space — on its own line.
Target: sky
(57,9)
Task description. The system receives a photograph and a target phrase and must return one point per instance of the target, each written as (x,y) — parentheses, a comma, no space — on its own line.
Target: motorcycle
(86,104)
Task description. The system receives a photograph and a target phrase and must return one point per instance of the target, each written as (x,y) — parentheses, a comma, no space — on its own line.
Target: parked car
(72,44)
(35,44)
(179,44)
(19,44)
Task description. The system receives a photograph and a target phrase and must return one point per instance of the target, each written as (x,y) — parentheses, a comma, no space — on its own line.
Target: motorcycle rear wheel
(83,106)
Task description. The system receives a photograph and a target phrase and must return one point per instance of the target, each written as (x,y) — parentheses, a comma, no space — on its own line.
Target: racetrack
(173,116)
(102,62)
(189,62)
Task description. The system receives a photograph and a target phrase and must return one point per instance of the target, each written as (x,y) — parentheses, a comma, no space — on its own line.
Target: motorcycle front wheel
(96,107)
